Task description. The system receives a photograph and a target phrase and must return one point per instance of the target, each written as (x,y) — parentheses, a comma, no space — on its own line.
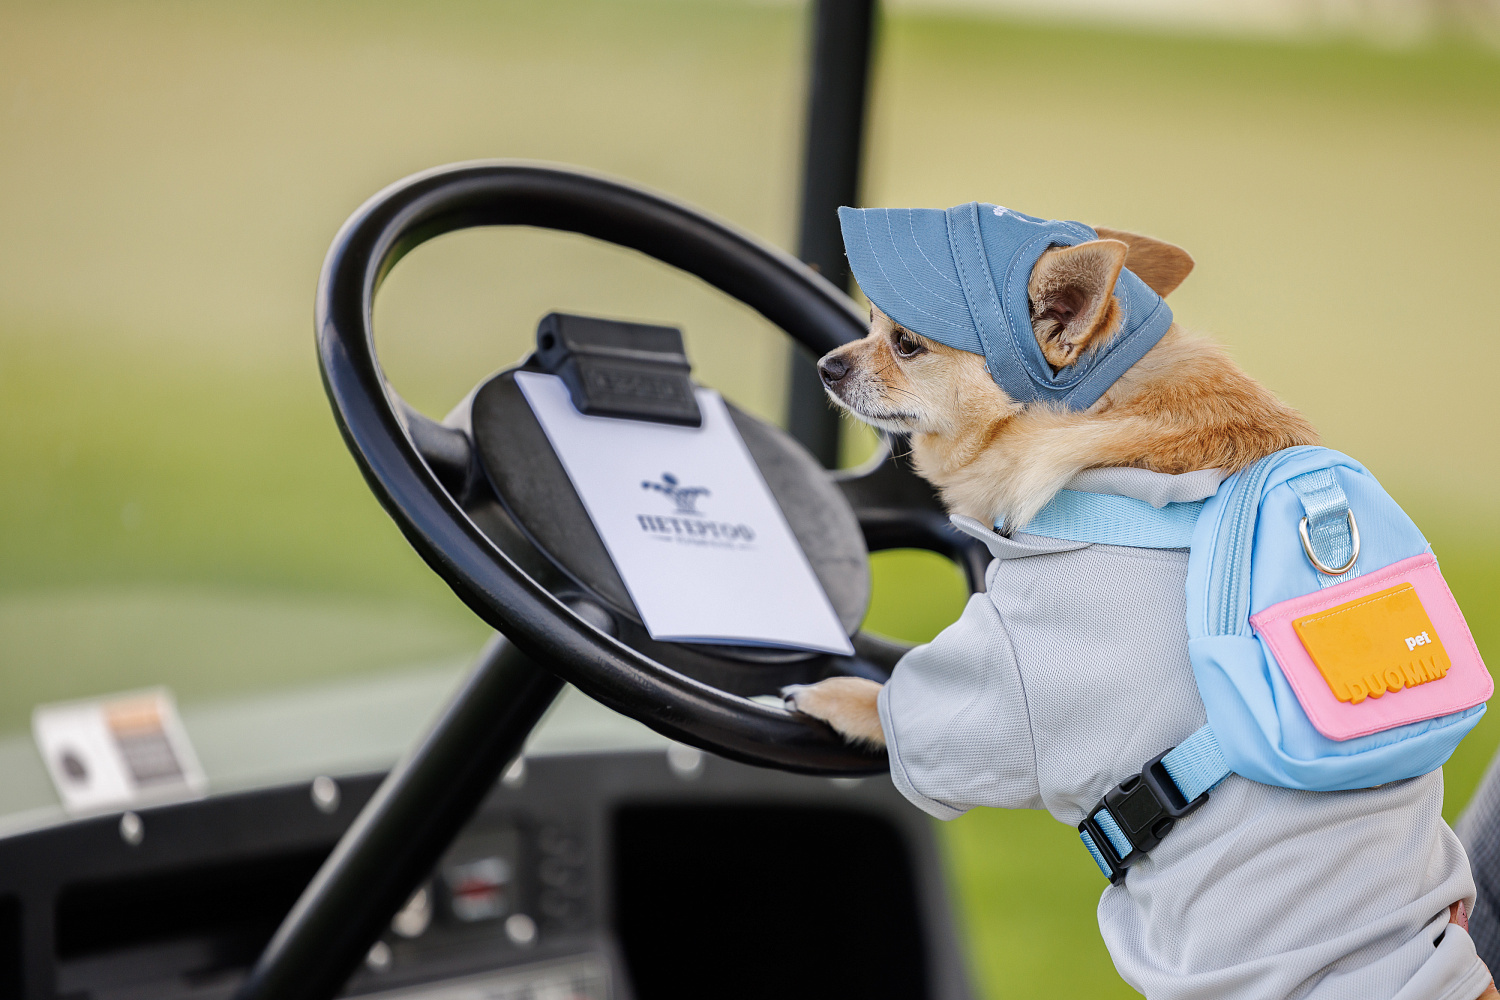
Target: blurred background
(176,506)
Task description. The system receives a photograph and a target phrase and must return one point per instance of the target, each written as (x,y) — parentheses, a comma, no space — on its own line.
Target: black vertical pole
(839,81)
(397,839)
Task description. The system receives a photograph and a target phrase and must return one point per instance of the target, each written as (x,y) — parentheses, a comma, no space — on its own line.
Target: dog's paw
(848,704)
(802,698)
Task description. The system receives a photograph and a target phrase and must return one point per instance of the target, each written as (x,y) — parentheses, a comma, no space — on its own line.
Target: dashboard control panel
(620,875)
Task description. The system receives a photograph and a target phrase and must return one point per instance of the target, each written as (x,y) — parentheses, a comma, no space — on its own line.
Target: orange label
(1383,642)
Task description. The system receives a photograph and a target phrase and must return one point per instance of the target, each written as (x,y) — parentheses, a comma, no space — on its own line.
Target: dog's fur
(1184,406)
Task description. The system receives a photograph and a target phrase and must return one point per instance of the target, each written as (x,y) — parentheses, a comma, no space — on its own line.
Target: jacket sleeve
(955,721)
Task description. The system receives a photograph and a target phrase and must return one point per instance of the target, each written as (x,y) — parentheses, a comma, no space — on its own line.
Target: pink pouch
(1466,683)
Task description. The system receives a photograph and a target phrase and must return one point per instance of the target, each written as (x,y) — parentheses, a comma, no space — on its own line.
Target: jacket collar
(1156,489)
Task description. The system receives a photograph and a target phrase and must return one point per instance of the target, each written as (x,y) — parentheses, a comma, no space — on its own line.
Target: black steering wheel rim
(489,193)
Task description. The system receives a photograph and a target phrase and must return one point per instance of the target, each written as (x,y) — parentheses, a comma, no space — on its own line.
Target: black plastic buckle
(1145,807)
(615,369)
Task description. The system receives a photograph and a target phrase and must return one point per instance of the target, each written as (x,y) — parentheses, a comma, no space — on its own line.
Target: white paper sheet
(692,527)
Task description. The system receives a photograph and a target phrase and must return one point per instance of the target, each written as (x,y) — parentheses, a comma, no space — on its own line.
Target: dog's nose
(833,369)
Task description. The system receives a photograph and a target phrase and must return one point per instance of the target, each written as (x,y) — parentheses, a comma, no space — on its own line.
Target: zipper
(1229,580)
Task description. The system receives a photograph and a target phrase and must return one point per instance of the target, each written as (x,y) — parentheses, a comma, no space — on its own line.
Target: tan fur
(1072,302)
(848,699)
(1160,265)
(1184,406)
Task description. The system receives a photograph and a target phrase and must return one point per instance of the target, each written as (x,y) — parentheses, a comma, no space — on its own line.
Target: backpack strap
(1330,536)
(1135,815)
(1108,519)
(1132,818)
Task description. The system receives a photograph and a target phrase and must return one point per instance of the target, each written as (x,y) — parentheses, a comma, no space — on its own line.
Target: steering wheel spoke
(447,451)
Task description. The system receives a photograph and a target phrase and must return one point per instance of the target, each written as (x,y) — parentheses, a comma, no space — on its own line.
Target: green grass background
(176,506)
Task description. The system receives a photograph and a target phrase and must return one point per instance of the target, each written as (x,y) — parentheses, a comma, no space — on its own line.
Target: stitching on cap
(916,243)
(891,286)
(906,264)
(967,282)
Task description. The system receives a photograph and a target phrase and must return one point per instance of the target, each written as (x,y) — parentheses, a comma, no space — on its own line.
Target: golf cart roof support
(838,86)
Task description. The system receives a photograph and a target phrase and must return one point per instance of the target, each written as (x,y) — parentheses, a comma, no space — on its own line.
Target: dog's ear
(1160,265)
(1072,298)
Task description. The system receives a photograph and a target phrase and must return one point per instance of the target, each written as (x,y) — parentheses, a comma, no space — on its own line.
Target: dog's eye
(908,346)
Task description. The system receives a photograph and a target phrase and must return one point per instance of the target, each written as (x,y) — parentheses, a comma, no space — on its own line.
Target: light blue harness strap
(1111,828)
(1094,850)
(1117,840)
(1328,527)
(1196,764)
(1107,519)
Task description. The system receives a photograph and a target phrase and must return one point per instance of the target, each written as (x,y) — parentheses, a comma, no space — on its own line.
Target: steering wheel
(492,512)
(485,501)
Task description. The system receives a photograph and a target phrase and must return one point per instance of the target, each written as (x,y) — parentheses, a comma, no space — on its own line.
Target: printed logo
(1413,641)
(685,497)
(1357,645)
(688,525)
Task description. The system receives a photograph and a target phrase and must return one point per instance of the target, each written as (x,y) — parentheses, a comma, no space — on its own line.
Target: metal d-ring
(1318,563)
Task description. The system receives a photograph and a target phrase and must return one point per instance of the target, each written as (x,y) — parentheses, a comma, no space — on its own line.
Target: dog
(1185,406)
(1181,409)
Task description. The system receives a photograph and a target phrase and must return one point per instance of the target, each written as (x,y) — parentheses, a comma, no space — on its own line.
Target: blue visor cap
(959,277)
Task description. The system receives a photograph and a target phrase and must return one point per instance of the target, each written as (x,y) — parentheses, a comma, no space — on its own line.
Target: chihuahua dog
(1184,406)
(1071,670)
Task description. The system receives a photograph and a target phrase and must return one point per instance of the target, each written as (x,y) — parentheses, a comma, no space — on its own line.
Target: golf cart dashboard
(614,873)
(183,911)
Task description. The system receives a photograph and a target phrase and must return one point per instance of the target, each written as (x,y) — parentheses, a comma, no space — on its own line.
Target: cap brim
(904,264)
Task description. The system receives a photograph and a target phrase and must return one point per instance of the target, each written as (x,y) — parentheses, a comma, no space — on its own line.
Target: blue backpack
(1327,648)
